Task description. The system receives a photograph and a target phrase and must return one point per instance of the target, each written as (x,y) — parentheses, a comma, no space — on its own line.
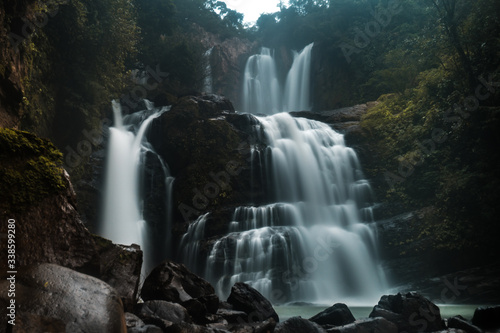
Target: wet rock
(83,303)
(192,328)
(460,322)
(337,315)
(298,325)
(174,283)
(410,312)
(32,323)
(487,318)
(120,267)
(249,300)
(169,311)
(369,325)
(232,316)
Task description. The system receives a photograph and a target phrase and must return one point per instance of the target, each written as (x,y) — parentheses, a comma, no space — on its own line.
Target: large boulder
(120,267)
(174,283)
(410,312)
(337,315)
(298,325)
(83,303)
(368,325)
(169,311)
(487,318)
(249,300)
(460,322)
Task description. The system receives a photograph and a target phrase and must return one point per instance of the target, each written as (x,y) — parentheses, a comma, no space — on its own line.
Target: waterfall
(262,92)
(296,97)
(122,220)
(315,242)
(208,82)
(261,89)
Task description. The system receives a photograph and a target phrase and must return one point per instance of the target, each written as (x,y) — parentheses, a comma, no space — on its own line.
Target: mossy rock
(30,169)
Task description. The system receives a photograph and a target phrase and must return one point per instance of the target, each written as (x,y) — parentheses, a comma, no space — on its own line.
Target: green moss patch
(30,169)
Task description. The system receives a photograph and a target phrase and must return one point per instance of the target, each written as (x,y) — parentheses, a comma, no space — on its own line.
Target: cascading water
(208,82)
(296,96)
(313,244)
(122,220)
(261,89)
(262,92)
(314,240)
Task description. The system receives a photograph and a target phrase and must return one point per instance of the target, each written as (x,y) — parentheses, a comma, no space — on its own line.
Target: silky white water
(262,91)
(315,243)
(122,219)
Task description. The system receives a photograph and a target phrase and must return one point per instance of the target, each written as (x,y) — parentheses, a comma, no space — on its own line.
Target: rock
(298,325)
(459,322)
(249,300)
(487,318)
(232,316)
(369,325)
(120,267)
(174,283)
(169,311)
(254,327)
(136,325)
(337,315)
(32,323)
(131,320)
(192,328)
(82,302)
(410,312)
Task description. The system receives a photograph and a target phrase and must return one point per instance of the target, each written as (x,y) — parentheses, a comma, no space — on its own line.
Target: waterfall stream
(314,241)
(122,220)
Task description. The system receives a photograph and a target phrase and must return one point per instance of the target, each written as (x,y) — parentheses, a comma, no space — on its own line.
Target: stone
(169,311)
(337,315)
(410,312)
(120,267)
(298,325)
(368,325)
(32,323)
(174,283)
(249,300)
(460,322)
(487,318)
(83,303)
(232,316)
(192,328)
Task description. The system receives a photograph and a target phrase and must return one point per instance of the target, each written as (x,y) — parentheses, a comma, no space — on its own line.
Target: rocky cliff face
(227,60)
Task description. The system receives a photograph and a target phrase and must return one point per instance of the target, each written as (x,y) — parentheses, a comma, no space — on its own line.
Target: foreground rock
(487,318)
(174,283)
(336,315)
(459,322)
(83,303)
(249,300)
(120,267)
(366,326)
(298,325)
(410,312)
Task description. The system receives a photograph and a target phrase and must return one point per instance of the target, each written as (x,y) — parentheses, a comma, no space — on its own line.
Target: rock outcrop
(410,312)
(173,282)
(336,315)
(249,300)
(83,303)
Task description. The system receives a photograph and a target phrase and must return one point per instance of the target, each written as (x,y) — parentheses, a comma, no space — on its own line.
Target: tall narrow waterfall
(262,91)
(122,220)
(208,81)
(314,242)
(296,97)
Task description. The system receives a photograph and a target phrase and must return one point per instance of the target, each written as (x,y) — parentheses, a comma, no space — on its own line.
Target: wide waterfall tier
(314,241)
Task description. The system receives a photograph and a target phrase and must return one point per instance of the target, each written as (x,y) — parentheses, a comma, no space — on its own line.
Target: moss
(31,169)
